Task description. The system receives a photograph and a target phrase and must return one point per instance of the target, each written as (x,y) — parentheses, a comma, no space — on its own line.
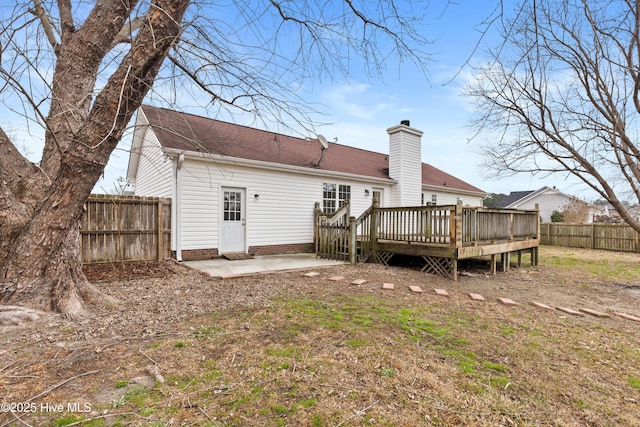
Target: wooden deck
(440,235)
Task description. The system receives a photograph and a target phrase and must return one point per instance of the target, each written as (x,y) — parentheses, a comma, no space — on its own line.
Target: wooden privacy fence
(613,237)
(125,228)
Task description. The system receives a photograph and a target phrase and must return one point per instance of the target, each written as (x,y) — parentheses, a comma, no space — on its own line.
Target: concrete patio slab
(260,264)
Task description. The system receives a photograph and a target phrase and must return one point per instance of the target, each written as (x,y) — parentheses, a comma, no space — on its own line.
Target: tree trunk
(41,206)
(55,285)
(42,268)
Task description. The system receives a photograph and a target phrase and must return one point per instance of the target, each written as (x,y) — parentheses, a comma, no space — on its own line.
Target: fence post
(316,227)
(511,225)
(160,209)
(537,209)
(353,240)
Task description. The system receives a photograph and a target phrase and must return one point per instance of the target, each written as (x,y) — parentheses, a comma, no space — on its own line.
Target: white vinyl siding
(446,198)
(547,201)
(155,172)
(405,166)
(282,212)
(200,207)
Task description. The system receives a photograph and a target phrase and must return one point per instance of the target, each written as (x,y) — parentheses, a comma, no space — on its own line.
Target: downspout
(178,193)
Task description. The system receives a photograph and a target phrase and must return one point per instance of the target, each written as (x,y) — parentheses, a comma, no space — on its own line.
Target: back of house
(239,189)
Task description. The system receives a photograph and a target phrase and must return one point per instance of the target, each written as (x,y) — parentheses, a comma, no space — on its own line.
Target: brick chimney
(405,164)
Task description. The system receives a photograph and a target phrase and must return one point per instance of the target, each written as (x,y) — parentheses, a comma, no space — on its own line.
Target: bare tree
(577,211)
(561,96)
(81,69)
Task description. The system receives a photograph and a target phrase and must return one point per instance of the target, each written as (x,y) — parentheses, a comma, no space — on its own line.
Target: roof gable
(519,197)
(181,131)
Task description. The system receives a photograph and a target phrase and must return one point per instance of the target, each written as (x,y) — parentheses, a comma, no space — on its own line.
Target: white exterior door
(233,220)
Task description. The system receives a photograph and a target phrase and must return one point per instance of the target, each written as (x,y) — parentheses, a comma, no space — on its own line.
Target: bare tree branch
(43,15)
(66,17)
(562,93)
(126,32)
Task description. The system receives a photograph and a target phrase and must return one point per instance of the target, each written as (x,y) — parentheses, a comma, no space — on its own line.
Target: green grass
(387,372)
(495,366)
(372,359)
(499,382)
(355,343)
(617,270)
(309,403)
(281,351)
(67,419)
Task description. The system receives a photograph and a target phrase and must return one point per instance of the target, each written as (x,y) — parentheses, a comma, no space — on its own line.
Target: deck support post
(506,261)
(492,264)
(373,224)
(457,227)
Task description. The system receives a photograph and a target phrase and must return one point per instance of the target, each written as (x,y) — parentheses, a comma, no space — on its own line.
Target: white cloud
(357,101)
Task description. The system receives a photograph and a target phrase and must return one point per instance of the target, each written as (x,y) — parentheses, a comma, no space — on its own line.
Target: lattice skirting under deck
(383,257)
(441,266)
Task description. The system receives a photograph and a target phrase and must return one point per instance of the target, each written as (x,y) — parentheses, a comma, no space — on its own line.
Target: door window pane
(232,209)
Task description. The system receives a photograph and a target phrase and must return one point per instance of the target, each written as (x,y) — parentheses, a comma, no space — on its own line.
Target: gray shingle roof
(513,197)
(200,134)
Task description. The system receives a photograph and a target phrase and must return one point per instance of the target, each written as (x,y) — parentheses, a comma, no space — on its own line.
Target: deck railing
(422,224)
(455,225)
(480,224)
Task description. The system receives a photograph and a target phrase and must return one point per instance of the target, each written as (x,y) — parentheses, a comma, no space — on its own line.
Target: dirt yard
(181,348)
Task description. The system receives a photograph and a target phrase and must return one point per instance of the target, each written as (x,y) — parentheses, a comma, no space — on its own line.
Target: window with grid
(344,193)
(333,196)
(328,198)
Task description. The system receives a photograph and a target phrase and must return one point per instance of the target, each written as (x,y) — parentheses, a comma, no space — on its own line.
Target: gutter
(178,212)
(454,190)
(216,158)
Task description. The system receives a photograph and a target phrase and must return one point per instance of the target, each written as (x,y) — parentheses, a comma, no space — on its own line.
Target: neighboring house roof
(513,197)
(517,198)
(181,131)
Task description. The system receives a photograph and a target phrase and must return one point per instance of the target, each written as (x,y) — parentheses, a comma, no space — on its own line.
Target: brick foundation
(197,254)
(281,249)
(200,254)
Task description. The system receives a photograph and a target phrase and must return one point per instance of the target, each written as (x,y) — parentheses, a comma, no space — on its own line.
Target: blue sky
(360,109)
